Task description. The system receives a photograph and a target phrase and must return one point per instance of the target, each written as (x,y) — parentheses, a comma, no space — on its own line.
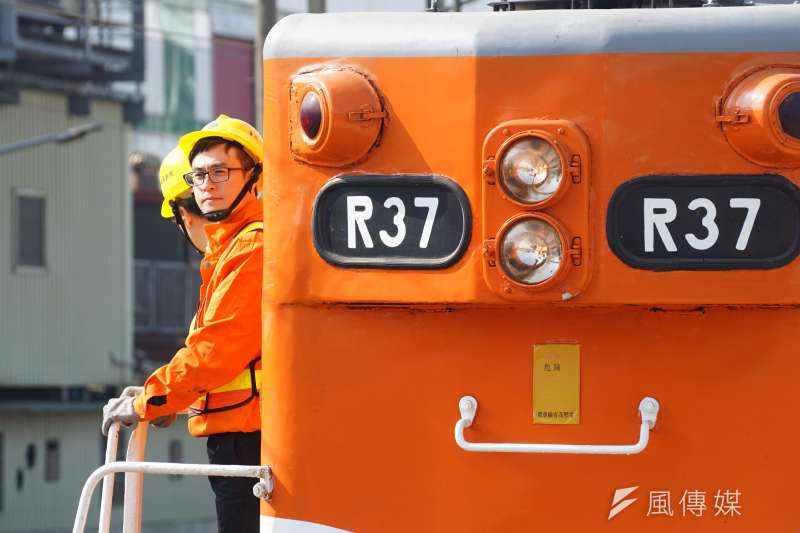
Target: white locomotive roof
(715,29)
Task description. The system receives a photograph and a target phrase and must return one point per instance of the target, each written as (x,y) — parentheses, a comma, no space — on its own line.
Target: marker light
(789,114)
(336,116)
(311,115)
(531,170)
(760,116)
(531,251)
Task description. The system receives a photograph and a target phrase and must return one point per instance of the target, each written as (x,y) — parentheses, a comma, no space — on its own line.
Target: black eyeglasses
(216,175)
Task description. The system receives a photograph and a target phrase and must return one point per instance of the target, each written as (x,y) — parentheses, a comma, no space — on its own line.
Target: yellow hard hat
(231,129)
(170,179)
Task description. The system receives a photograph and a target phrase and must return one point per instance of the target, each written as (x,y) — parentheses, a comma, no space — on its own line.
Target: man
(179,204)
(217,373)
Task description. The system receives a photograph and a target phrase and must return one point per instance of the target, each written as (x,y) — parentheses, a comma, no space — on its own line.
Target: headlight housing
(759,115)
(336,116)
(535,206)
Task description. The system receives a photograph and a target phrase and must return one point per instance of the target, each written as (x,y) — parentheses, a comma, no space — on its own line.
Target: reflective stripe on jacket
(236,393)
(225,337)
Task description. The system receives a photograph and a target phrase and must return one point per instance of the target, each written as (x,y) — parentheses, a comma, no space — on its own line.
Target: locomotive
(532,269)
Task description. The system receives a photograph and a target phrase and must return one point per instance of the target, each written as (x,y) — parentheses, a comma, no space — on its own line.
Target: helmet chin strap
(179,221)
(222,214)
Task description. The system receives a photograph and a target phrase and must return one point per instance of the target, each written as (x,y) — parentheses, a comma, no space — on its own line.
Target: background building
(66,266)
(96,289)
(198,64)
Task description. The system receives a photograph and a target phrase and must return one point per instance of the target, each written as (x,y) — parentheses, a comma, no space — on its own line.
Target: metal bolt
(262,491)
(507,288)
(561,131)
(505,131)
(648,409)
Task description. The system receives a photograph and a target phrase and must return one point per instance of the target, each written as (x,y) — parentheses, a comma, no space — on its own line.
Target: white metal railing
(468,406)
(135,467)
(106,500)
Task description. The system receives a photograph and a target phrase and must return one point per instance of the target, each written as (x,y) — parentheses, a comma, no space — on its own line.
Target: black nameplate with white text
(705,222)
(395,221)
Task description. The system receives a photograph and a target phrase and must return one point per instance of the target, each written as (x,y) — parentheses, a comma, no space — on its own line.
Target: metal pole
(134,482)
(59,138)
(316,6)
(87,45)
(106,502)
(266,17)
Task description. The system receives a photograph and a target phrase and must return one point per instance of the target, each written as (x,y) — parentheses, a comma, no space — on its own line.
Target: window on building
(233,78)
(175,455)
(30,456)
(29,226)
(52,460)
(179,67)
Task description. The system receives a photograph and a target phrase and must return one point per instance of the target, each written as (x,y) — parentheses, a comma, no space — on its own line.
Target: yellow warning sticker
(556,383)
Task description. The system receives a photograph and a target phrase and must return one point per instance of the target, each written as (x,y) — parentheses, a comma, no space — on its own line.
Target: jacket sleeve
(222,347)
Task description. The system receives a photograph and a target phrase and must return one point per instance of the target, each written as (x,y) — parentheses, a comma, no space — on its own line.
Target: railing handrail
(107,498)
(137,468)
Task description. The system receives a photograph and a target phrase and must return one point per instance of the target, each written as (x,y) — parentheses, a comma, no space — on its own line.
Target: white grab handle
(468,406)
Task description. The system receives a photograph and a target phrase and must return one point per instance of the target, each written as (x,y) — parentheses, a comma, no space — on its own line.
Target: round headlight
(311,115)
(531,170)
(531,251)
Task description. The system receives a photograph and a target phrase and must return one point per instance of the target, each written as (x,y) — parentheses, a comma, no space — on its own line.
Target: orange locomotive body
(465,205)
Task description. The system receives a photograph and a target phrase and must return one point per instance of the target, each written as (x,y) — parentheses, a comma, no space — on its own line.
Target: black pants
(237,508)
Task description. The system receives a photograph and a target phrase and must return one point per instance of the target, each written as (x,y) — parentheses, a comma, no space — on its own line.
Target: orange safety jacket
(217,374)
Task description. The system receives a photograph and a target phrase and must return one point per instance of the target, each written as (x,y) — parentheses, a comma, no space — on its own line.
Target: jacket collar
(220,233)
